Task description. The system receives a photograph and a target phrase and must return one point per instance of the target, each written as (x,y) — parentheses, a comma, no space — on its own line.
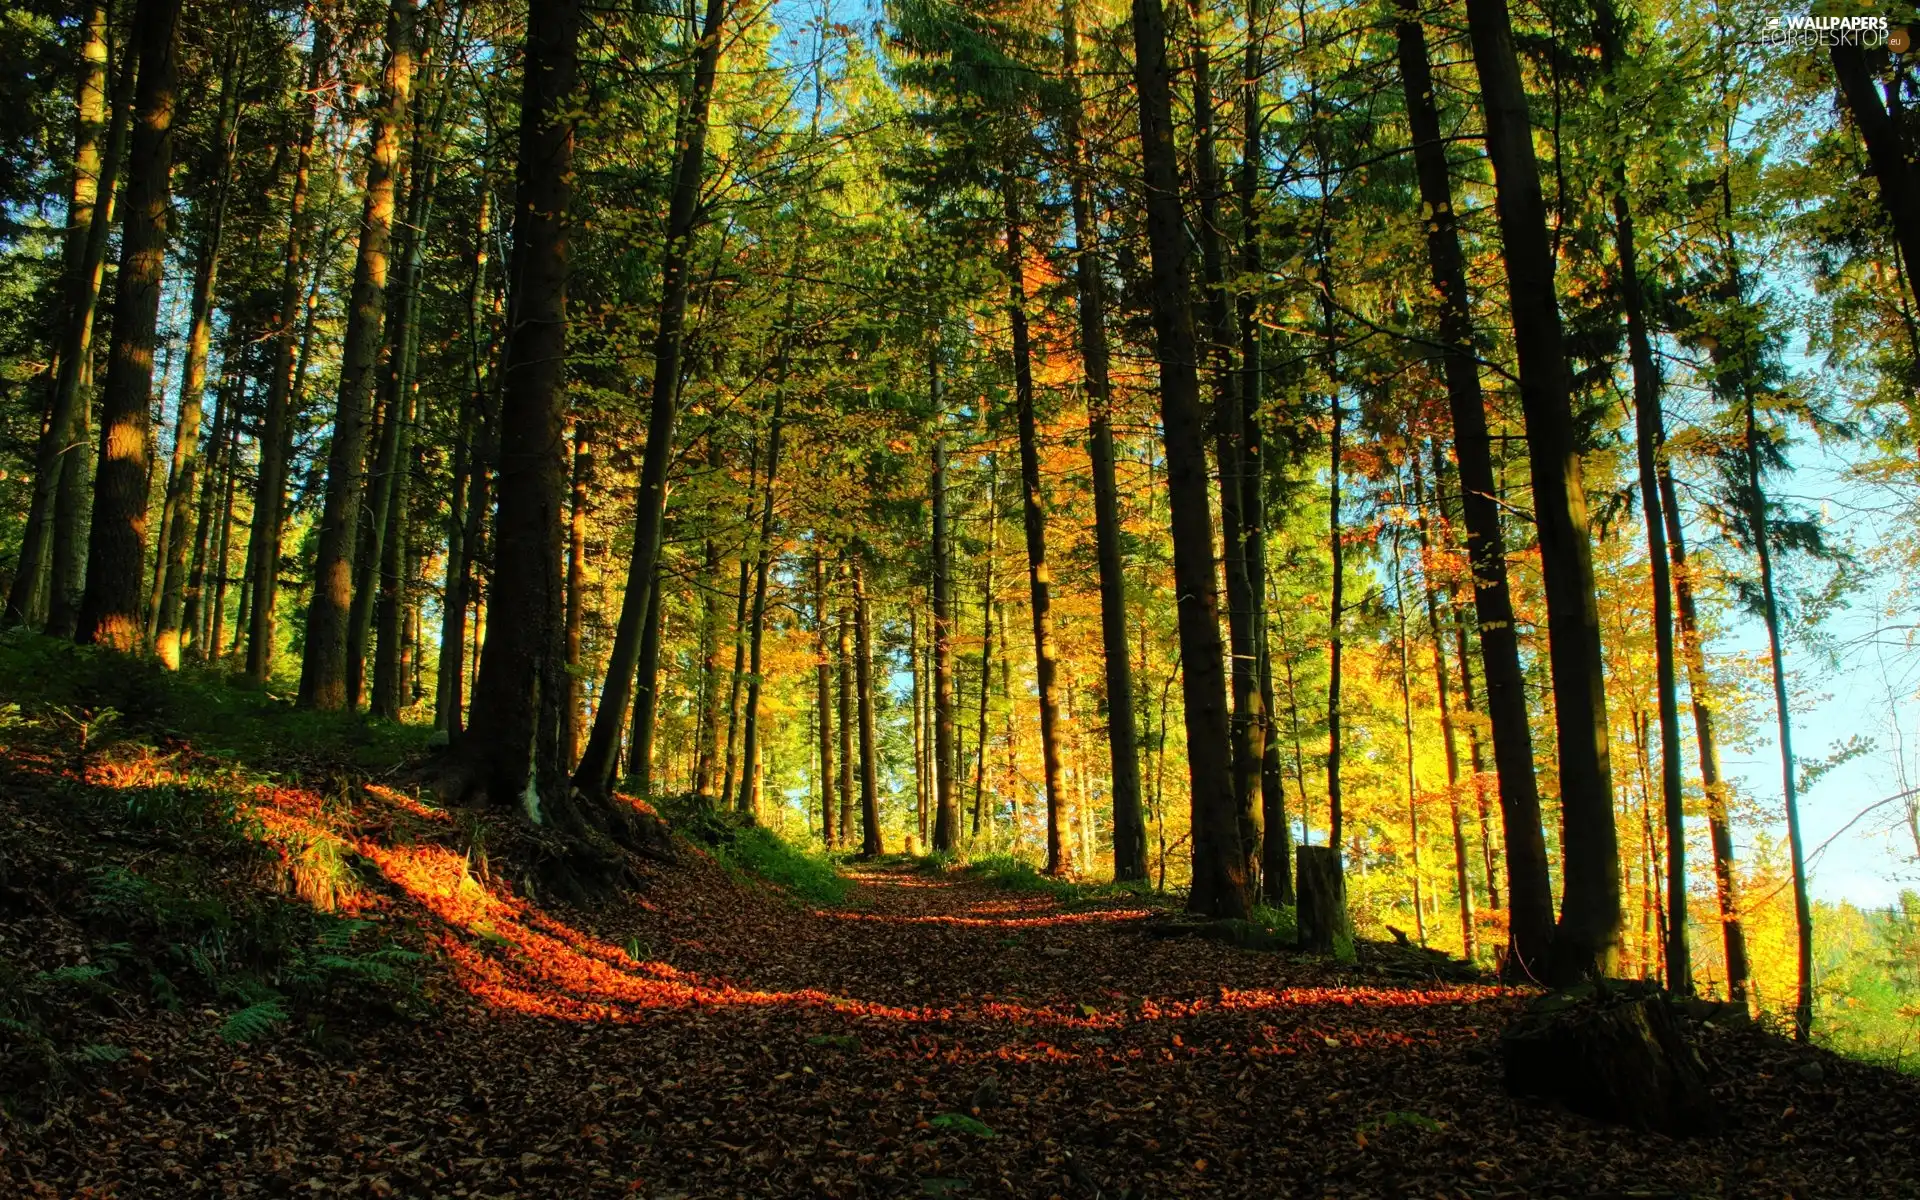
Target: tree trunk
(986,639)
(646,701)
(1248,723)
(738,675)
(578,499)
(870,841)
(1046,666)
(707,760)
(1647,427)
(946,808)
(747,799)
(117,543)
(323,673)
(1322,923)
(270,491)
(1129,824)
(396,483)
(1699,692)
(513,751)
(1588,932)
(1888,150)
(683,217)
(96,162)
(1276,847)
(1406,726)
(482,400)
(1783,716)
(846,727)
(1443,690)
(1220,884)
(823,698)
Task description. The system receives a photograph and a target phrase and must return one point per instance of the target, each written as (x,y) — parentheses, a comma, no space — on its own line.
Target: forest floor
(370,1007)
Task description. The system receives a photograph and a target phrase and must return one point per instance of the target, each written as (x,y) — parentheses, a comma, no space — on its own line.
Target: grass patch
(1008,873)
(756,853)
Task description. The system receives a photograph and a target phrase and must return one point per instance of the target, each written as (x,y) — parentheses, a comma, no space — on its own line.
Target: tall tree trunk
(707,761)
(683,217)
(1889,148)
(1530,919)
(1406,726)
(823,698)
(323,672)
(467,520)
(89,205)
(1248,723)
(740,592)
(747,799)
(117,542)
(646,701)
(1443,691)
(396,480)
(870,841)
(1783,716)
(227,462)
(986,638)
(577,582)
(1276,846)
(1647,427)
(1336,617)
(170,571)
(194,607)
(513,751)
(845,661)
(270,491)
(1588,932)
(1129,823)
(1046,666)
(1733,936)
(1220,884)
(946,807)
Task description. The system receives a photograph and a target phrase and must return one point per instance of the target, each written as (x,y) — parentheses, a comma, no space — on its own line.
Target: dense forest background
(1142,441)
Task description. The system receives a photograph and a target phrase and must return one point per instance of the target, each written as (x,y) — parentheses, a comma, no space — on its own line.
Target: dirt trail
(932,1037)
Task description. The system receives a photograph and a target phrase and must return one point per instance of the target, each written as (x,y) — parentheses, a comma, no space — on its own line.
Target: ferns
(253,1021)
(97,1054)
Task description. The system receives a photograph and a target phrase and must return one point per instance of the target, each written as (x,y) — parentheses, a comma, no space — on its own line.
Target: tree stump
(1321,912)
(1611,1057)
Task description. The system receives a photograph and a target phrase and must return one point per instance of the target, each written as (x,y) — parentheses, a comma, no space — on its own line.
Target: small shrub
(253,1021)
(812,878)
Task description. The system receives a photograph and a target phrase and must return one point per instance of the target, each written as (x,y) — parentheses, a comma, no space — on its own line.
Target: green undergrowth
(1013,874)
(97,697)
(155,887)
(755,854)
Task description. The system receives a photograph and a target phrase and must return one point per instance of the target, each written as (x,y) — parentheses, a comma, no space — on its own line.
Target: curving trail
(931,1037)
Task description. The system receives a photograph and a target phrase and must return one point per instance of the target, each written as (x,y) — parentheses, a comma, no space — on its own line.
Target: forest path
(707,1036)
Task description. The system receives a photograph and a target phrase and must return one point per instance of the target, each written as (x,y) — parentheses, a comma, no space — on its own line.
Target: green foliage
(753,851)
(253,1021)
(962,1123)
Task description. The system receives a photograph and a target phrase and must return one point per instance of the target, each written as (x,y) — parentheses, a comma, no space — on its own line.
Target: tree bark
(96,162)
(513,751)
(1248,723)
(870,840)
(1443,690)
(1889,149)
(846,727)
(323,673)
(986,639)
(683,219)
(646,702)
(1129,823)
(1530,914)
(579,497)
(117,541)
(946,808)
(1046,666)
(1220,884)
(467,508)
(270,491)
(1587,935)
(1733,936)
(747,799)
(823,698)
